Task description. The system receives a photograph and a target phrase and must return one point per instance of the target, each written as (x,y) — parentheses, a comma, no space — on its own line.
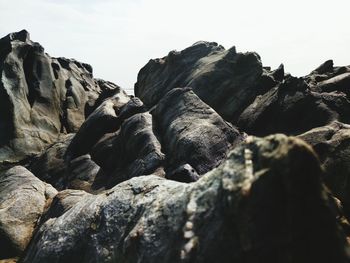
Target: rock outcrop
(41,97)
(263,204)
(23,199)
(91,174)
(293,107)
(332,144)
(224,79)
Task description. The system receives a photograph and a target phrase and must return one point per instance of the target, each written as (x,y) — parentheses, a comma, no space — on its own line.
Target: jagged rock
(103,120)
(293,108)
(278,74)
(192,132)
(332,144)
(325,67)
(338,83)
(184,173)
(178,125)
(265,203)
(262,202)
(23,199)
(134,151)
(81,173)
(327,77)
(224,79)
(62,202)
(78,173)
(41,96)
(256,99)
(50,166)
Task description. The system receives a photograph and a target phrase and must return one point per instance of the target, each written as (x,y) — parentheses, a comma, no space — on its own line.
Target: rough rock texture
(332,144)
(41,97)
(64,201)
(293,107)
(263,204)
(23,199)
(50,165)
(125,141)
(172,175)
(192,132)
(259,101)
(224,79)
(103,120)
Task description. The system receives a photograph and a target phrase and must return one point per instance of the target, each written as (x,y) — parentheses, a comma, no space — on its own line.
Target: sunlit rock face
(41,97)
(175,174)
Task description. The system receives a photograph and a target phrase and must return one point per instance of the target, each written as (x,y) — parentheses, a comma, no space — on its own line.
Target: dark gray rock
(179,124)
(81,173)
(41,97)
(332,144)
(191,132)
(134,151)
(224,79)
(293,108)
(265,203)
(262,202)
(328,78)
(50,166)
(184,173)
(103,120)
(62,202)
(338,83)
(23,199)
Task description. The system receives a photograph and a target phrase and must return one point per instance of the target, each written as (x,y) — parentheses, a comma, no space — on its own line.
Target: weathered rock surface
(256,99)
(191,132)
(23,199)
(332,144)
(103,120)
(293,108)
(41,97)
(265,203)
(180,130)
(50,166)
(64,201)
(230,198)
(224,79)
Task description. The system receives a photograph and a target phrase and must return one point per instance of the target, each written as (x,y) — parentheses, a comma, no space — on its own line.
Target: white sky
(118,37)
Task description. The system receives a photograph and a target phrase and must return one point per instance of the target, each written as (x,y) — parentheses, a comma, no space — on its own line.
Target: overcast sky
(118,37)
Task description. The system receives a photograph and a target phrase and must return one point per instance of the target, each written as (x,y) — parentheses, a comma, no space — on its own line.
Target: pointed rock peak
(326,67)
(22,35)
(278,73)
(206,45)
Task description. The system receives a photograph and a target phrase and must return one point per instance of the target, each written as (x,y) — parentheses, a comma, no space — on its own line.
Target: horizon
(117,38)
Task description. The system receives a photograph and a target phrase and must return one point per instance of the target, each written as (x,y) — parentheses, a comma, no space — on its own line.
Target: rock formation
(41,97)
(175,174)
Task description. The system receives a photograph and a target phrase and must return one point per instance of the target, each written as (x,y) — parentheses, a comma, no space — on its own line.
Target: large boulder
(191,132)
(102,120)
(50,166)
(265,203)
(332,144)
(181,136)
(226,80)
(23,199)
(293,107)
(41,97)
